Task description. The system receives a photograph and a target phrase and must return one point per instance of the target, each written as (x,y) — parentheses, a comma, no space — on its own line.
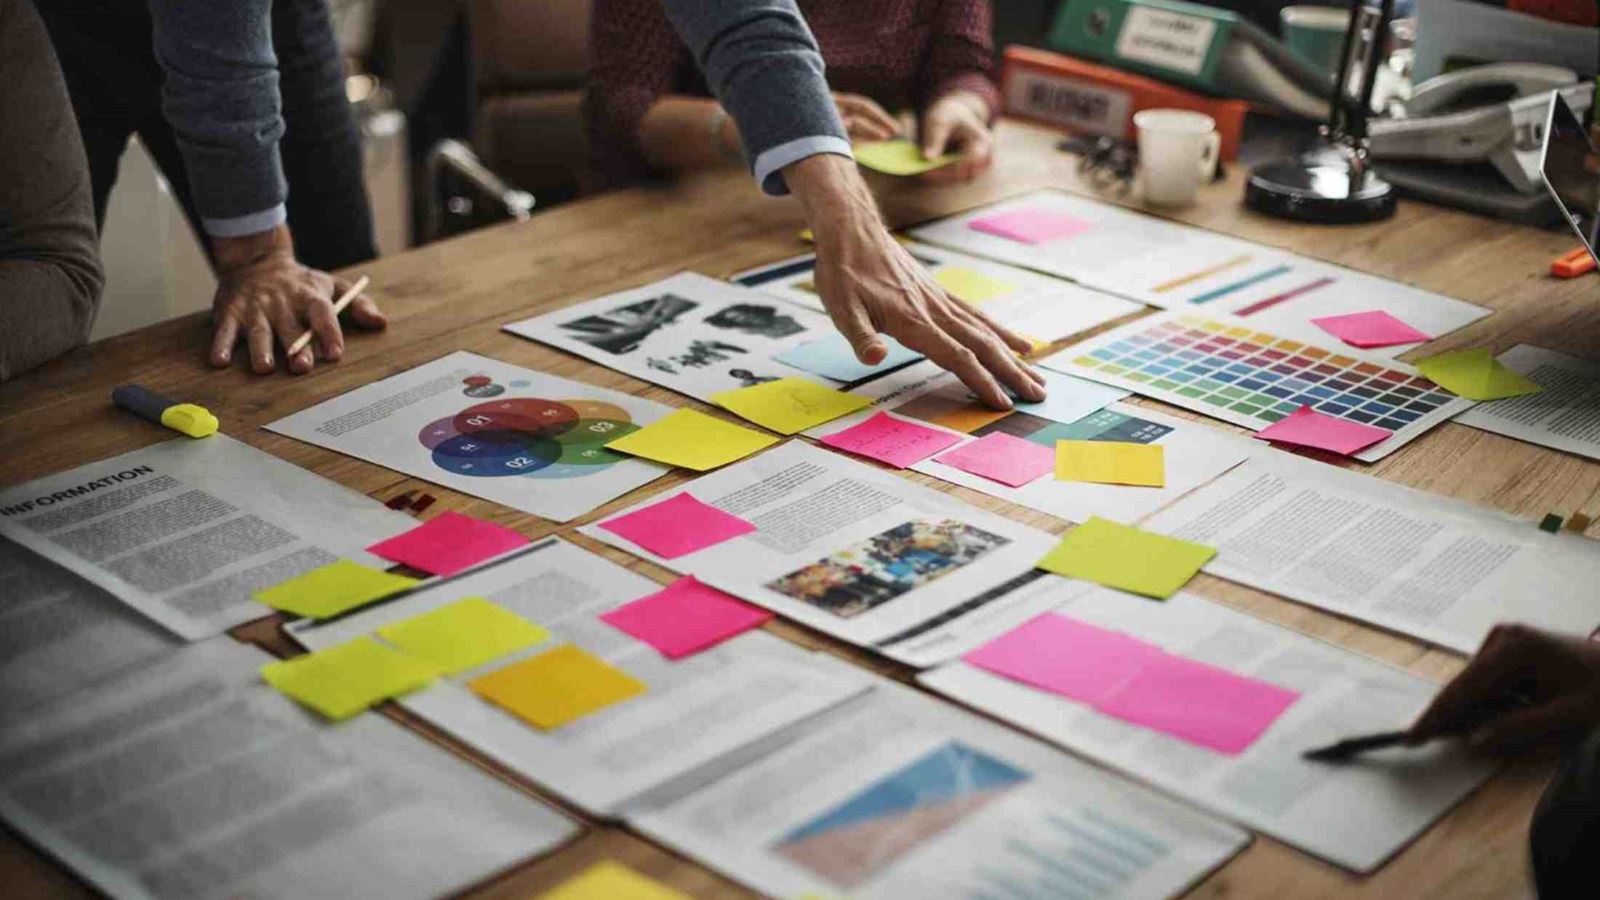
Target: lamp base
(1323,186)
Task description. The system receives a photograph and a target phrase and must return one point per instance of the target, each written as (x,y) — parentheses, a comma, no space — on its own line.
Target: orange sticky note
(556,687)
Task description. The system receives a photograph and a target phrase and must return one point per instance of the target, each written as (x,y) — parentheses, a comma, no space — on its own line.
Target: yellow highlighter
(195,421)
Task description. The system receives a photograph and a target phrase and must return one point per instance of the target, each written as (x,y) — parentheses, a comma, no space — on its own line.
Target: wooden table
(454,295)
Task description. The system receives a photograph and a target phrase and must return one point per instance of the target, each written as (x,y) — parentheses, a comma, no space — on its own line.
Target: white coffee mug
(1177,151)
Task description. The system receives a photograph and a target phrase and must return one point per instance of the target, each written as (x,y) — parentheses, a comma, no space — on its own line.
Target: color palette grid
(1253,378)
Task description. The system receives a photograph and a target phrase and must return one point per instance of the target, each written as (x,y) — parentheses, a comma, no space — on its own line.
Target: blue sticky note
(1068,399)
(831,357)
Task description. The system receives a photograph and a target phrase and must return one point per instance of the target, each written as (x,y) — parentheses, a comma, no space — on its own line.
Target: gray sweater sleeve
(50,277)
(761,61)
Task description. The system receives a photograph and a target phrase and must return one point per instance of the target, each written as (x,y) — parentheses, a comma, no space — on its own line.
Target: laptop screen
(1571,170)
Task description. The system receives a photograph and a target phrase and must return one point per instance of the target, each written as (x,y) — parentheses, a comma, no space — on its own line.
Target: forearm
(834,196)
(686,133)
(45,310)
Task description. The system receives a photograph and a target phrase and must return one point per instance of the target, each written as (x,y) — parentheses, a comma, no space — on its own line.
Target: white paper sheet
(896,795)
(1565,416)
(1356,815)
(1436,568)
(531,441)
(1163,263)
(697,709)
(864,555)
(1038,306)
(185,531)
(190,778)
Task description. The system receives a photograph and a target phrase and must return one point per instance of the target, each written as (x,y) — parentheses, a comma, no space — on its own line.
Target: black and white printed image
(623,329)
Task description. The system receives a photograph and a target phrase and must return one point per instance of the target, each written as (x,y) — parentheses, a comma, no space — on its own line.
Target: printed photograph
(887,565)
(623,329)
(756,319)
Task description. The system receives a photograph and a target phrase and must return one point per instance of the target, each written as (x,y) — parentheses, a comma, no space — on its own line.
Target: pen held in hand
(1350,748)
(338,307)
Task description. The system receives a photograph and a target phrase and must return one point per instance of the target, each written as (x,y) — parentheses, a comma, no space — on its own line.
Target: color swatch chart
(1223,367)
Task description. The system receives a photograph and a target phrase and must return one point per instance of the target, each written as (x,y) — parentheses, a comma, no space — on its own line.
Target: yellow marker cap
(195,421)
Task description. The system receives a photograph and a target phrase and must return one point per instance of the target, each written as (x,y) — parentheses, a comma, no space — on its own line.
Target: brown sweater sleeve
(50,277)
(634,59)
(960,54)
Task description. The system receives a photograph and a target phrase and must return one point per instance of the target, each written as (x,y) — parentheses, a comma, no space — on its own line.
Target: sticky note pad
(1370,329)
(677,526)
(1111,462)
(1127,558)
(1030,226)
(347,678)
(332,589)
(1065,656)
(686,617)
(971,286)
(1476,375)
(1001,457)
(557,687)
(1306,427)
(463,635)
(612,881)
(899,157)
(448,543)
(832,357)
(692,440)
(1199,703)
(890,440)
(789,405)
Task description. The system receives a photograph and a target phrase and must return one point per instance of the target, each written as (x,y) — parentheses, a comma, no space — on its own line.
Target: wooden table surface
(454,295)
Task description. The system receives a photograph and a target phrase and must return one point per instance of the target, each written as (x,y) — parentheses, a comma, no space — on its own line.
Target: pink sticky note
(1199,703)
(686,617)
(1074,659)
(1001,457)
(448,543)
(676,526)
(1370,329)
(1306,427)
(894,441)
(1030,226)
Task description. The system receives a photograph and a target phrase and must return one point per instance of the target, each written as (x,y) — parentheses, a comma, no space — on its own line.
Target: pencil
(1349,748)
(338,307)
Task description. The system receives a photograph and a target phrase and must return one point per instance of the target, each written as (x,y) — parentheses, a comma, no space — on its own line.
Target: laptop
(1570,166)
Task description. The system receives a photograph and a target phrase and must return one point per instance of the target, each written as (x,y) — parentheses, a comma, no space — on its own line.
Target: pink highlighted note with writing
(1030,226)
(1375,328)
(1001,457)
(890,440)
(1305,427)
(1199,703)
(1065,656)
(677,526)
(686,617)
(448,543)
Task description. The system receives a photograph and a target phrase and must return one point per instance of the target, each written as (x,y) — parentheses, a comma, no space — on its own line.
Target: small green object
(1550,523)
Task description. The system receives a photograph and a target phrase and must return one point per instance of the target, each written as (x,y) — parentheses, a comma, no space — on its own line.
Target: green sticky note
(332,589)
(1476,375)
(1127,558)
(463,635)
(899,157)
(346,679)
(693,440)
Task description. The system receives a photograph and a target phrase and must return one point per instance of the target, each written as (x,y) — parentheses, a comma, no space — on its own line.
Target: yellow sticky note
(971,286)
(692,440)
(790,404)
(1111,462)
(1127,558)
(612,881)
(463,635)
(899,157)
(346,679)
(808,236)
(557,686)
(1476,375)
(329,590)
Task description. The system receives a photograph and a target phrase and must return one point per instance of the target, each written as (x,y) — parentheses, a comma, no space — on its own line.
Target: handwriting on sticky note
(693,440)
(1111,462)
(463,635)
(1127,558)
(789,405)
(686,617)
(899,157)
(1065,656)
(448,543)
(556,687)
(1476,375)
(971,286)
(1001,457)
(1375,328)
(832,357)
(612,881)
(677,526)
(890,440)
(347,678)
(1199,703)
(335,588)
(1030,226)
(1306,427)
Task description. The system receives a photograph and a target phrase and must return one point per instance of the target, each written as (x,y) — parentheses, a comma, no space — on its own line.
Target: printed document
(695,711)
(185,531)
(1565,416)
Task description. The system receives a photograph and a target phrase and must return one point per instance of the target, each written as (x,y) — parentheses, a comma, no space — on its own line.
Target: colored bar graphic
(1240,285)
(1192,277)
(1290,294)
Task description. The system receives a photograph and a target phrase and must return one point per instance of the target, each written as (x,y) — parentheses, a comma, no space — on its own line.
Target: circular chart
(527,436)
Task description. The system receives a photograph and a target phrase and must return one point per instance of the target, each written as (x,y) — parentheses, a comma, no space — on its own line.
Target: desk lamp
(1333,181)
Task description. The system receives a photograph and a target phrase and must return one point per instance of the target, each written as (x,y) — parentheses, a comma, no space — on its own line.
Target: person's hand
(958,122)
(262,293)
(1525,688)
(864,119)
(869,283)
